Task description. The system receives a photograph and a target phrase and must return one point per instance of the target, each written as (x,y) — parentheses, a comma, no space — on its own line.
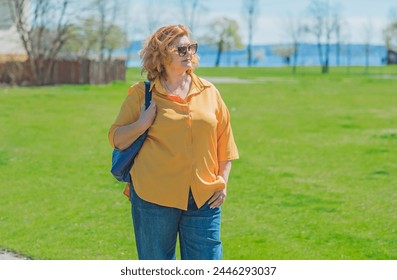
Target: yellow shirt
(184,145)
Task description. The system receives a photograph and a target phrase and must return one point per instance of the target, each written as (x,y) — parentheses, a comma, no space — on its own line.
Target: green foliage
(84,38)
(316,178)
(225,35)
(390,34)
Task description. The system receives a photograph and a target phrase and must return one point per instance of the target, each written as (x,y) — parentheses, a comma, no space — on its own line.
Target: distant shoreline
(350,55)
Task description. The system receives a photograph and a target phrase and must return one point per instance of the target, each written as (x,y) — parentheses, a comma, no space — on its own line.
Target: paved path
(233,80)
(6,255)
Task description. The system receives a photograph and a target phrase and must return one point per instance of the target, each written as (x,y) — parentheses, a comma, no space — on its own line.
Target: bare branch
(324,23)
(251,10)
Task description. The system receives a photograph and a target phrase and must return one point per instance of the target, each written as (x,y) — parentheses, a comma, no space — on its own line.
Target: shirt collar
(158,86)
(198,85)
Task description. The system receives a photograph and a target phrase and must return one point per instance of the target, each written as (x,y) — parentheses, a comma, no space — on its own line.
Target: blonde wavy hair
(156,51)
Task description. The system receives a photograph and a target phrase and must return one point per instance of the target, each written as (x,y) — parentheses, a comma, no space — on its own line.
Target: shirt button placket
(190,143)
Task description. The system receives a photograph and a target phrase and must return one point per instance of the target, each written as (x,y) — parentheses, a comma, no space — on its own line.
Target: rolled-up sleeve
(130,110)
(226,146)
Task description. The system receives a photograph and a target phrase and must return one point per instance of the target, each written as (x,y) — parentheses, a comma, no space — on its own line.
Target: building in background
(11,47)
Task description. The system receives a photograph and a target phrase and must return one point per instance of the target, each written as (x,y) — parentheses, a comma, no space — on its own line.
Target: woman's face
(181,56)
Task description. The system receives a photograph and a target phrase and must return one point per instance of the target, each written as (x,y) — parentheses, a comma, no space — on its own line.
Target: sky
(273,14)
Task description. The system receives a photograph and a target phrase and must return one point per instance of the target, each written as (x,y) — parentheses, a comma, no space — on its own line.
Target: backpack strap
(148,94)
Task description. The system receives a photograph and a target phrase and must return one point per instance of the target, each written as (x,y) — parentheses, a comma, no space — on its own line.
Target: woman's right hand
(147,116)
(127,134)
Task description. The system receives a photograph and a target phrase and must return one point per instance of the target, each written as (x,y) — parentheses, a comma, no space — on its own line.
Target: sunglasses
(182,50)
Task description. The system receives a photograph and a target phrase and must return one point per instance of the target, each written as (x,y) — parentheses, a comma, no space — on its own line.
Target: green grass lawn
(316,178)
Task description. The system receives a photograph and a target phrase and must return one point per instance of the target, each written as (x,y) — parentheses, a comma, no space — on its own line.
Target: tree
(190,9)
(251,9)
(346,37)
(390,35)
(83,39)
(324,18)
(285,52)
(154,16)
(258,55)
(225,34)
(115,40)
(106,12)
(294,29)
(109,35)
(43,27)
(367,34)
(131,29)
(339,22)
(390,32)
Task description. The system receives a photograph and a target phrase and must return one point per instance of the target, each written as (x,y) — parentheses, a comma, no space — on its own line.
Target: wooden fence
(64,72)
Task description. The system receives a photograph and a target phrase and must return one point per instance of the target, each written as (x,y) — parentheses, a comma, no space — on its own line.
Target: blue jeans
(156,229)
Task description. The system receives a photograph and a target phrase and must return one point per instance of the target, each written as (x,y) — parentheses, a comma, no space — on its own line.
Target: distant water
(353,55)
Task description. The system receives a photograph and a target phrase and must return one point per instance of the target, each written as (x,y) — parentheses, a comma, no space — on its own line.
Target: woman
(181,172)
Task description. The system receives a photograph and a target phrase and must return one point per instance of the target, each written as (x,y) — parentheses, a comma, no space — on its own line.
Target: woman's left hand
(217,199)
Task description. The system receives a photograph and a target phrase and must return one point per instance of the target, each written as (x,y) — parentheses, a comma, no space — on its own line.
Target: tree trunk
(349,56)
(326,64)
(324,68)
(35,33)
(320,55)
(219,53)
(296,45)
(367,46)
(251,11)
(249,51)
